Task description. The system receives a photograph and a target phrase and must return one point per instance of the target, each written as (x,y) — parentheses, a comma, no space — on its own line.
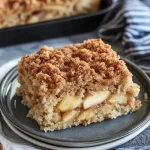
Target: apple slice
(69,115)
(118,98)
(86,115)
(96,98)
(69,103)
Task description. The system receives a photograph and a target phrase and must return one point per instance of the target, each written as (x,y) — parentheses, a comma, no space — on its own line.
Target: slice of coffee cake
(77,84)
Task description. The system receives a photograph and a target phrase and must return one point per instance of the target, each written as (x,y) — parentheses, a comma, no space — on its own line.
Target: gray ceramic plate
(94,134)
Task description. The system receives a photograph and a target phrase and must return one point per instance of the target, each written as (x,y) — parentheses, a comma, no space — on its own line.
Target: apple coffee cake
(20,12)
(77,84)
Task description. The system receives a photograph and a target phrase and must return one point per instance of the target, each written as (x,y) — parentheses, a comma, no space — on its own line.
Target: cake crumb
(145,97)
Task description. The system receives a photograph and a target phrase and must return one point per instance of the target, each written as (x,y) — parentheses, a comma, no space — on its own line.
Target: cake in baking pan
(21,12)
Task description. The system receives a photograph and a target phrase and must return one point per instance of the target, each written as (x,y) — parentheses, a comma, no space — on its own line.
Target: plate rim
(46,145)
(136,127)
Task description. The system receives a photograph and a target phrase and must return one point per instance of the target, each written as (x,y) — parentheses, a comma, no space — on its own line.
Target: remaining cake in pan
(77,84)
(20,12)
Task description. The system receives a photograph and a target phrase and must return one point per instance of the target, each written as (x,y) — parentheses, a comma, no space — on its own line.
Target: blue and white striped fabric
(129,21)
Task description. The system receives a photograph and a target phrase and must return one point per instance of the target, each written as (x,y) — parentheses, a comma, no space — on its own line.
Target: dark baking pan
(54,28)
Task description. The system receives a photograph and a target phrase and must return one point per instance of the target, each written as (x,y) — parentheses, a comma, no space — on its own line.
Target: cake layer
(76,84)
(71,110)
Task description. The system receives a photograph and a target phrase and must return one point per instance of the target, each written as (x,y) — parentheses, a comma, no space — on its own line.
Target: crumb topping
(91,65)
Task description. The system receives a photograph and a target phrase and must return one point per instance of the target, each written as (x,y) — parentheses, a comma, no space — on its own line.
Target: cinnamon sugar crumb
(54,79)
(91,64)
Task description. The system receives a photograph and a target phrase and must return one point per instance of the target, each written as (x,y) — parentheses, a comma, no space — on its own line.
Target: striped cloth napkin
(129,21)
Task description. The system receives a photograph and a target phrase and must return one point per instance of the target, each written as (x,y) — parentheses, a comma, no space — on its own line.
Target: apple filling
(78,109)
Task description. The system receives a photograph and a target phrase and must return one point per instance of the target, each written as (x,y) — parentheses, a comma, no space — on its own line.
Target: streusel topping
(91,65)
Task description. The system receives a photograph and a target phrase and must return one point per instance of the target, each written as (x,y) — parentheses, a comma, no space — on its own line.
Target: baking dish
(54,28)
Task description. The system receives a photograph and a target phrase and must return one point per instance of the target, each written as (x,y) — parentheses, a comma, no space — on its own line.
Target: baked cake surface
(20,12)
(76,84)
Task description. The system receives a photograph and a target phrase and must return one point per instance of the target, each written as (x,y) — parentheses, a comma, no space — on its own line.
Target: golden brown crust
(19,12)
(91,65)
